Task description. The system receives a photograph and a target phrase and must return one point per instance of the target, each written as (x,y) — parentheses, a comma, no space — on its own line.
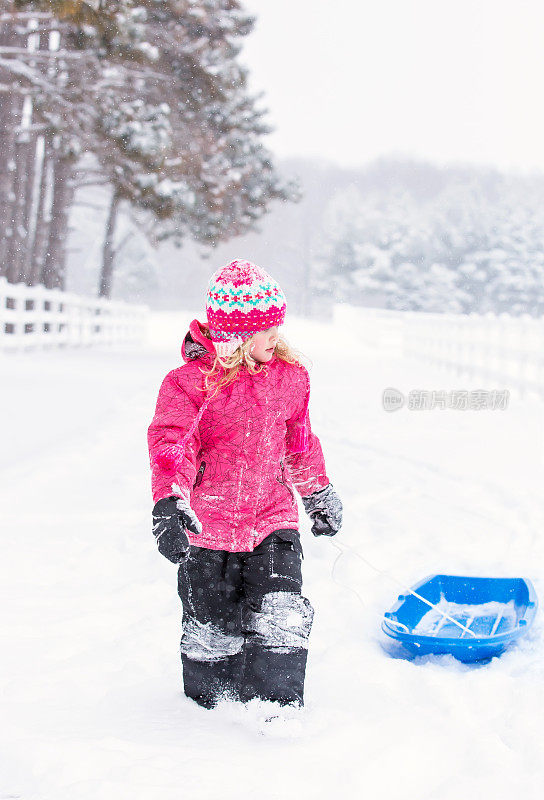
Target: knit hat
(242,299)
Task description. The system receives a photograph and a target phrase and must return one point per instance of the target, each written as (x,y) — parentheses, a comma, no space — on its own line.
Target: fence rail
(507,351)
(36,317)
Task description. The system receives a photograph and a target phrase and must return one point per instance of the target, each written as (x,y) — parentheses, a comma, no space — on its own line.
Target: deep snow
(91,685)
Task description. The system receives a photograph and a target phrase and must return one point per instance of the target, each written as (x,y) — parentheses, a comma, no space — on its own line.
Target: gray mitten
(325,508)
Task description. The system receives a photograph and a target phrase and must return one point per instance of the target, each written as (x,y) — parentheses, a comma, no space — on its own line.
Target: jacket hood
(195,344)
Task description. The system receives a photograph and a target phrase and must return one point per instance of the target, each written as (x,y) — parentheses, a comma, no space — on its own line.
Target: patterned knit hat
(242,299)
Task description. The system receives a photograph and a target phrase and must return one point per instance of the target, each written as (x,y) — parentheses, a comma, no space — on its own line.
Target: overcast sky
(350,80)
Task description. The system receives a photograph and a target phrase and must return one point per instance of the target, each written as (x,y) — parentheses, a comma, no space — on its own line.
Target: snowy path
(91,701)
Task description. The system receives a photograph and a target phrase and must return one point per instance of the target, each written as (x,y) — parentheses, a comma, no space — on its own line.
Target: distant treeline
(457,240)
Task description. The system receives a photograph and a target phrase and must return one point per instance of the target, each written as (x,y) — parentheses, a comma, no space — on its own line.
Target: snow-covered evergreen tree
(155,92)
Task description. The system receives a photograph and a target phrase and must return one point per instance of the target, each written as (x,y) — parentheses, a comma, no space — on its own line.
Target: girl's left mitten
(325,509)
(169,523)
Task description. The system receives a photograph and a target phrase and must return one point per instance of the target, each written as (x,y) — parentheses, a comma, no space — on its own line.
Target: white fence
(505,351)
(36,317)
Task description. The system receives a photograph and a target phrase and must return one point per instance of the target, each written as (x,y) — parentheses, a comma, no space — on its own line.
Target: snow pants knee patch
(204,641)
(282,623)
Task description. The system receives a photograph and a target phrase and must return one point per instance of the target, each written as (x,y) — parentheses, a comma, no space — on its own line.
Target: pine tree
(154,92)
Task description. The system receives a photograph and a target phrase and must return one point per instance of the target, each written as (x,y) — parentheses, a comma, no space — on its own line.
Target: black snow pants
(245,622)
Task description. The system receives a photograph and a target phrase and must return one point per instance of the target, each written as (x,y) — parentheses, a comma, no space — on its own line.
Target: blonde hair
(224,371)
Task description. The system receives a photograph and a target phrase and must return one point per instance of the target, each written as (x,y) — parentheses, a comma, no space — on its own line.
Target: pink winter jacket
(237,456)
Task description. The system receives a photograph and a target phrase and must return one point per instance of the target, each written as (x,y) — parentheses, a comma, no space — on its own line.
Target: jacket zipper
(282,480)
(199,474)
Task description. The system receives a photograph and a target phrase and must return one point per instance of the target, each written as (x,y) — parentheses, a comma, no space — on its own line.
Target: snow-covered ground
(92,706)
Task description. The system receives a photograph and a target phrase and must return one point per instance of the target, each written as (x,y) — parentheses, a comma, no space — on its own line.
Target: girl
(230,439)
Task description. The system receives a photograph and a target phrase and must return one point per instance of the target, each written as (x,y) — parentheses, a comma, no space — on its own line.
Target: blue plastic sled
(480,617)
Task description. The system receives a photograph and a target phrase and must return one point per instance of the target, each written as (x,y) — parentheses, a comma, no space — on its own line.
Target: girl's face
(263,343)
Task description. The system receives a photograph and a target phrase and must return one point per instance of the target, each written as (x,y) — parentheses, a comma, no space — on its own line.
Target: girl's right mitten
(171,516)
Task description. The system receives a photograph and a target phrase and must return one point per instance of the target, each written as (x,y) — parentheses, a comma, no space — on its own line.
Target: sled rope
(346,548)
